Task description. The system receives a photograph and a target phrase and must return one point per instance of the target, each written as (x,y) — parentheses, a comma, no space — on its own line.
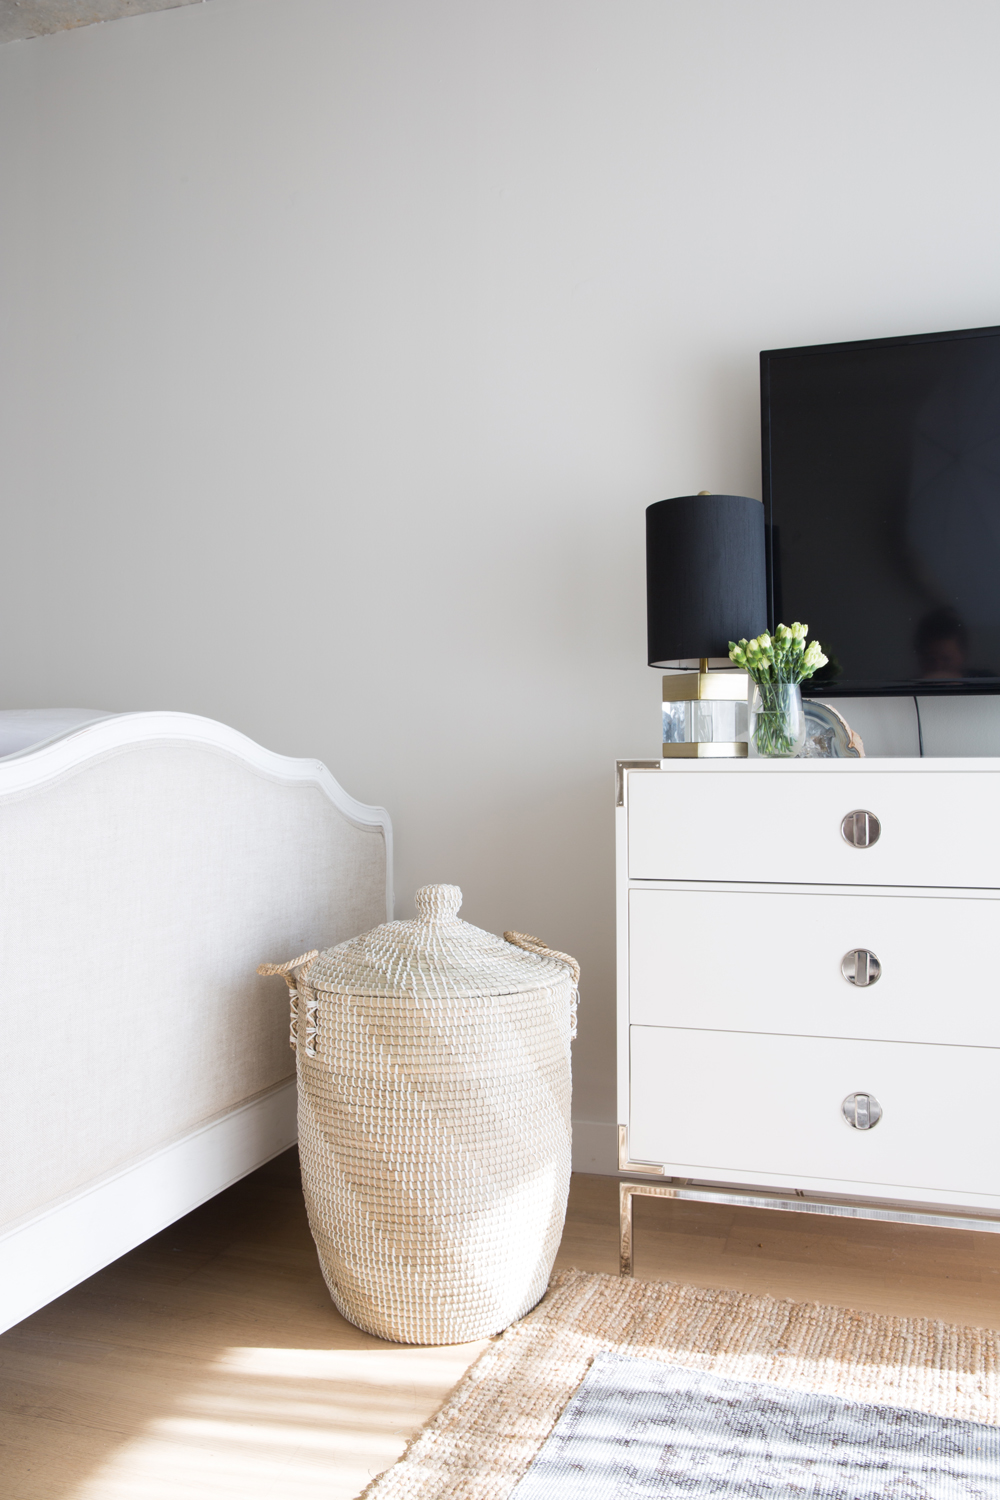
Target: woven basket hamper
(434,1120)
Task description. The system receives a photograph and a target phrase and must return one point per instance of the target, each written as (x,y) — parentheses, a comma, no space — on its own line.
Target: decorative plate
(828,735)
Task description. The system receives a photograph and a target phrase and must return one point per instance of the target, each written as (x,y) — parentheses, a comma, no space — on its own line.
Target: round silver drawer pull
(861,829)
(862,1111)
(860,967)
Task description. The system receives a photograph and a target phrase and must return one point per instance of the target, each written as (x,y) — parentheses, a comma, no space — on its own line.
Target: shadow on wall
(534,852)
(959,725)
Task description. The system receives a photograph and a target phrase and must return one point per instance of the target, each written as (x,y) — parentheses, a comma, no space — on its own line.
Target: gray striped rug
(638,1427)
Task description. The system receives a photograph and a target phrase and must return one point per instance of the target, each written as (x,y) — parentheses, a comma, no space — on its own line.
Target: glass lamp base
(701,727)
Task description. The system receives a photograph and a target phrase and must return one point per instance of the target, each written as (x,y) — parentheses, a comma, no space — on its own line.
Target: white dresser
(808,1007)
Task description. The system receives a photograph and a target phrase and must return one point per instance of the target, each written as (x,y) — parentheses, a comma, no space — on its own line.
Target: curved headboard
(148,863)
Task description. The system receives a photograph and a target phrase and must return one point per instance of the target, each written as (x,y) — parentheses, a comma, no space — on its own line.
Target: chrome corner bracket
(622,767)
(624,1165)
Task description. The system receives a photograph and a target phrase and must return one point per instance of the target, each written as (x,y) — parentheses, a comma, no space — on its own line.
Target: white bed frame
(69,1236)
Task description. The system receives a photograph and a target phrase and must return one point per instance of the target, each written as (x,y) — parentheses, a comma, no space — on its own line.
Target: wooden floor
(210,1364)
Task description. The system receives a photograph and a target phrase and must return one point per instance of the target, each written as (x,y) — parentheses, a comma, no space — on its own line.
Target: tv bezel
(851,689)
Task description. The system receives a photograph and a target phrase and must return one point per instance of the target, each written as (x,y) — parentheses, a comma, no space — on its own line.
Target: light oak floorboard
(210,1364)
(953,1274)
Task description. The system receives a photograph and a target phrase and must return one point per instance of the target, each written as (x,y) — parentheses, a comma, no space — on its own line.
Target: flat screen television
(881,463)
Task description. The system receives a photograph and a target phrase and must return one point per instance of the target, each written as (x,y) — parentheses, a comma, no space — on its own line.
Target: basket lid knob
(437,901)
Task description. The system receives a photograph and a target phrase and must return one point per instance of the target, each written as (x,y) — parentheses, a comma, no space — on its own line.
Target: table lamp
(705,587)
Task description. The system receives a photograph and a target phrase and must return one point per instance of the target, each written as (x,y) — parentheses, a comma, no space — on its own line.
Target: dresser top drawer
(898,823)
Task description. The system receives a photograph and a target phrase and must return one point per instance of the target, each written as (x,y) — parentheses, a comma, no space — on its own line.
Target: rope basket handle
(535,945)
(287,972)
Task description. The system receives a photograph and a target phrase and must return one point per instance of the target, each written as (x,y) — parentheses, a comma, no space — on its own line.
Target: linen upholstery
(139,892)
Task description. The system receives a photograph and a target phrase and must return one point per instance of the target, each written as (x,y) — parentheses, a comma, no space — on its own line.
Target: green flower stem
(770,733)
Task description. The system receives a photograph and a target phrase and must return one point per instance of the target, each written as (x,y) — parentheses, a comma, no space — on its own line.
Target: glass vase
(777,720)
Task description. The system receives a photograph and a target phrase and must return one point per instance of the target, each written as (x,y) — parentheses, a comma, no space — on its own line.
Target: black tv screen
(881,465)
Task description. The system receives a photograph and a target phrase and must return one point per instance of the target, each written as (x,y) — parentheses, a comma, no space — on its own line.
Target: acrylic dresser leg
(625,1192)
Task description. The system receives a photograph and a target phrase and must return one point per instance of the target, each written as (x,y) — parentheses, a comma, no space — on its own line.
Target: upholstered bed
(148,863)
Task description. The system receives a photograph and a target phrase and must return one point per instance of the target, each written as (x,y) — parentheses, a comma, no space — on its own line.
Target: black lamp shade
(705,576)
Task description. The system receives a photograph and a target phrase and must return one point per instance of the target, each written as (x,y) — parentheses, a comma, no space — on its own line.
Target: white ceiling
(21,19)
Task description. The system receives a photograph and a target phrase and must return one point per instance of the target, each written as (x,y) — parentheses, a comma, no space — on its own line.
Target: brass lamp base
(705,750)
(703,712)
(692,687)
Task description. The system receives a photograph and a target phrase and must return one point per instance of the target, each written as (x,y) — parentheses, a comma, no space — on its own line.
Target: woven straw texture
(434,1120)
(489,1431)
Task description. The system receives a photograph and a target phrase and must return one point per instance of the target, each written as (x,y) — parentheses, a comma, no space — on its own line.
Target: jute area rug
(487,1434)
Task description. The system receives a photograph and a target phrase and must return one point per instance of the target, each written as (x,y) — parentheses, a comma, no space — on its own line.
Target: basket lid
(436,955)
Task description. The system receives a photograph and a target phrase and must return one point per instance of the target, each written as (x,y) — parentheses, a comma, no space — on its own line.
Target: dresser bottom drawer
(759,1108)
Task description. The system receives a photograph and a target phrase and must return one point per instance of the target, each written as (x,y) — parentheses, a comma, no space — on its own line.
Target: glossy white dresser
(808,986)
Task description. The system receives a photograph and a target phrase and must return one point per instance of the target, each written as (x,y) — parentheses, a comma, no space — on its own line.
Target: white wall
(345,341)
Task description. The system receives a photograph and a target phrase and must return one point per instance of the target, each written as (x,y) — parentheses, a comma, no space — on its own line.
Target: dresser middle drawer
(758,961)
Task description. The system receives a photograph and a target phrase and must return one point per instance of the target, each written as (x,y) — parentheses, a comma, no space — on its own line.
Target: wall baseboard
(48,1254)
(56,1250)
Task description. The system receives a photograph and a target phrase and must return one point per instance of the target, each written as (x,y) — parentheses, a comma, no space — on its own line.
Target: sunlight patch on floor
(402,1362)
(299,1423)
